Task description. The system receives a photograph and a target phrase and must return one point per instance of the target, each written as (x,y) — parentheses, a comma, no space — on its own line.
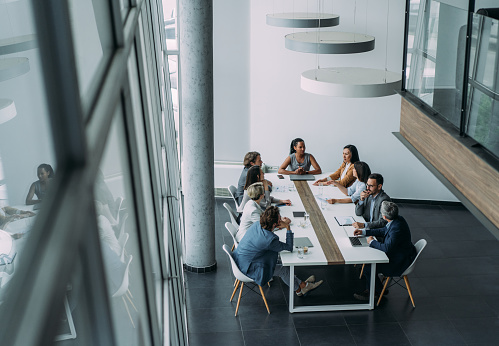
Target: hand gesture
(357,232)
(358,225)
(331,201)
(364,194)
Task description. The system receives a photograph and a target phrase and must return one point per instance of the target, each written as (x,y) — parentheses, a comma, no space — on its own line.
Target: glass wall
(89,180)
(437,61)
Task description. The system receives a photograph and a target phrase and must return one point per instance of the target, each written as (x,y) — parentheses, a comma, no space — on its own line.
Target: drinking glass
(323,204)
(306,220)
(300,252)
(321,189)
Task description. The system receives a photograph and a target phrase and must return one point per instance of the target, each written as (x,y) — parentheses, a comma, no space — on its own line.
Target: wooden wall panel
(473,177)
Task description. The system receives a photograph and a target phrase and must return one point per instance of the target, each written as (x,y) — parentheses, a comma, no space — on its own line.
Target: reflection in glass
(25,141)
(93,41)
(170,16)
(436,49)
(119,237)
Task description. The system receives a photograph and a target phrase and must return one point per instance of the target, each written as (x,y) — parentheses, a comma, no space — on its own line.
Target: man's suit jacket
(364,210)
(256,255)
(397,246)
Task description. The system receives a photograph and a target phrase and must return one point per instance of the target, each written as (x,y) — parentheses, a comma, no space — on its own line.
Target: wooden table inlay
(326,239)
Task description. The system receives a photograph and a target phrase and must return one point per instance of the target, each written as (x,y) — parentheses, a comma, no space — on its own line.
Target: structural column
(196,87)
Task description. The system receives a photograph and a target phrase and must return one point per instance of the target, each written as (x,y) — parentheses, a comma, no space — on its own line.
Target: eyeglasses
(367,185)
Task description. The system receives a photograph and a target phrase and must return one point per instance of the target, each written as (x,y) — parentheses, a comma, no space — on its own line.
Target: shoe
(311,279)
(364,296)
(310,287)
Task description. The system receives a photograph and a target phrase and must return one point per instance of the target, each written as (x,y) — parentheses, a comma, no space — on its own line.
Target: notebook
(303,241)
(298,177)
(344,220)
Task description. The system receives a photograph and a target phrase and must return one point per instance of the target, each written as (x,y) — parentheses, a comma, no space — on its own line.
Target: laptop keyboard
(355,241)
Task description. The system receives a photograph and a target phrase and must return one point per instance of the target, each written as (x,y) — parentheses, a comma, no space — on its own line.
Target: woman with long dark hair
(299,161)
(361,172)
(40,187)
(344,174)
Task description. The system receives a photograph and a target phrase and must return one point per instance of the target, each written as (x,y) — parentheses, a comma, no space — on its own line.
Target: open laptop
(355,241)
(299,177)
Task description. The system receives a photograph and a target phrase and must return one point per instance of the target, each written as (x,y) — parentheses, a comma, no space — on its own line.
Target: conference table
(331,244)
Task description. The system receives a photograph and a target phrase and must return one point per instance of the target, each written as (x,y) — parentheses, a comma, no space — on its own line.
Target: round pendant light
(329,42)
(13,67)
(353,82)
(17,44)
(7,110)
(303,20)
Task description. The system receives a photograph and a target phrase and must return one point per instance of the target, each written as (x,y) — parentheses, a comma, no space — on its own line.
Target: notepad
(344,220)
(302,241)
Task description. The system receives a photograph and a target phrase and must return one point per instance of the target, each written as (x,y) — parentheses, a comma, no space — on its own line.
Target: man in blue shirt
(397,245)
(256,254)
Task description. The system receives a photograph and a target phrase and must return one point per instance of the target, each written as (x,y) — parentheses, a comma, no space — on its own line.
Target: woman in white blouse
(255,175)
(361,171)
(252,210)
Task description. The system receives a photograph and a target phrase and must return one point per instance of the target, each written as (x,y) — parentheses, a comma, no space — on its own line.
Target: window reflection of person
(40,187)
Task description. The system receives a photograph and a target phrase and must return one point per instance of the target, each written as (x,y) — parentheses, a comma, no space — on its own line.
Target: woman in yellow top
(344,174)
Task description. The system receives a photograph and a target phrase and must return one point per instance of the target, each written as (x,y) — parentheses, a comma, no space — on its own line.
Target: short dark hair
(250,158)
(269,218)
(390,210)
(353,150)
(294,143)
(47,168)
(363,171)
(253,176)
(378,177)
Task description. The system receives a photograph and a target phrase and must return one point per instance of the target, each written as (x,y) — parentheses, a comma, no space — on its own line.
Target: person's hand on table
(358,225)
(323,181)
(332,200)
(300,171)
(357,232)
(269,183)
(370,239)
(285,201)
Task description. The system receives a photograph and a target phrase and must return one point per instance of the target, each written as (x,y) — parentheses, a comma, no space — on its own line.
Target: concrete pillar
(196,76)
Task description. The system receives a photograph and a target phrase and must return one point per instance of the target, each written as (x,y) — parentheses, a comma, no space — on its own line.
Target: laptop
(355,241)
(299,177)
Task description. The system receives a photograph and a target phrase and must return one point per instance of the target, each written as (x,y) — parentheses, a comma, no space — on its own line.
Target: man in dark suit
(370,203)
(397,245)
(256,255)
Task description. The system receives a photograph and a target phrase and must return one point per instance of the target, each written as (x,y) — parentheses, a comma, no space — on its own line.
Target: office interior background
(98,94)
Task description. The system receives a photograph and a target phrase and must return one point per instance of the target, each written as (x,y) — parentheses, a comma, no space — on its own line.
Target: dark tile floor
(455,286)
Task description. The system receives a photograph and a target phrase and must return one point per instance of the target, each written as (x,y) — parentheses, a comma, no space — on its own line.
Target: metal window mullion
(406,40)
(464,94)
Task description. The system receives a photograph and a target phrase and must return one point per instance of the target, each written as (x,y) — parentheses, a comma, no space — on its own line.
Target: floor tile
(271,337)
(212,320)
(331,335)
(478,330)
(218,338)
(426,309)
(465,307)
(318,319)
(378,334)
(436,332)
(252,318)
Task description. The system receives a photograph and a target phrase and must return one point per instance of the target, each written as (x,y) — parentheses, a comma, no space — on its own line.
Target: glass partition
(483,93)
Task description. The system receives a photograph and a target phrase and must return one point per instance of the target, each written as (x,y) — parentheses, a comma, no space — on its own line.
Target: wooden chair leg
(236,284)
(131,302)
(128,311)
(233,246)
(409,290)
(362,271)
(383,291)
(239,300)
(268,283)
(264,300)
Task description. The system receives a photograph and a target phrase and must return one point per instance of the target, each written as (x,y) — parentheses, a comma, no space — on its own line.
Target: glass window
(120,244)
(27,158)
(124,7)
(170,16)
(93,41)
(436,50)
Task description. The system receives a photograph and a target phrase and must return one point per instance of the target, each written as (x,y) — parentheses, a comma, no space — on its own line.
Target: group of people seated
(257,252)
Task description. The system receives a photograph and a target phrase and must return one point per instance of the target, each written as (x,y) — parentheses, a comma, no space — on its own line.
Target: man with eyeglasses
(369,205)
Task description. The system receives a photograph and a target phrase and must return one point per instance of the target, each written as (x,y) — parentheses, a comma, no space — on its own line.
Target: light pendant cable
(386,46)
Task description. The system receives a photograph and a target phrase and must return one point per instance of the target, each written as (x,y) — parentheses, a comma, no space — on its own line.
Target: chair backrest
(124,284)
(235,269)
(122,242)
(232,214)
(122,225)
(232,230)
(232,190)
(420,245)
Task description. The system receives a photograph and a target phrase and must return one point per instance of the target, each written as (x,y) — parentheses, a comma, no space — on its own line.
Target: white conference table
(344,252)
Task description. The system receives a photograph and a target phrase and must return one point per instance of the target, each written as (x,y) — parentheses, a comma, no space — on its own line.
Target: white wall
(280,110)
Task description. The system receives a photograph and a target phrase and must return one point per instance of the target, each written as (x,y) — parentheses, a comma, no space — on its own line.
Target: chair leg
(362,271)
(128,311)
(239,300)
(236,284)
(131,302)
(409,290)
(264,300)
(233,246)
(384,288)
(268,283)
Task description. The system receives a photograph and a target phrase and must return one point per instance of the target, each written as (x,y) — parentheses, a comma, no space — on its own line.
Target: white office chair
(123,240)
(233,215)
(122,225)
(241,279)
(232,230)
(232,190)
(122,290)
(420,245)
